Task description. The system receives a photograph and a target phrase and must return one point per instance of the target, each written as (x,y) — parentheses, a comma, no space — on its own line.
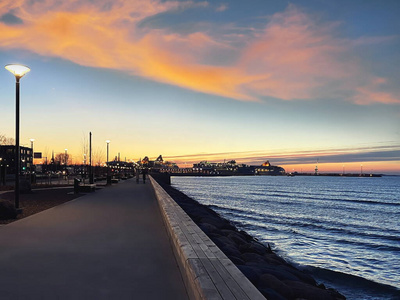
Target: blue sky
(214,80)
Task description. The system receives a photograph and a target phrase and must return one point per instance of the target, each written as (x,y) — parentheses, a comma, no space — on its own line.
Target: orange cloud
(94,38)
(292,58)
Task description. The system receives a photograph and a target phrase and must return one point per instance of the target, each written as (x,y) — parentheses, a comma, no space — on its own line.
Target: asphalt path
(110,244)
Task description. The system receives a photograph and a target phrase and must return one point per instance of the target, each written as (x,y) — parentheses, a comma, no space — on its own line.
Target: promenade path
(111,244)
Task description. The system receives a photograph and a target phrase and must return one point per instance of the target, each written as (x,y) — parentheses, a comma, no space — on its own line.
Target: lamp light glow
(18,70)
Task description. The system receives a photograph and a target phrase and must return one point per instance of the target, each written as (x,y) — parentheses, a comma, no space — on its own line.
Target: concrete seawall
(207,272)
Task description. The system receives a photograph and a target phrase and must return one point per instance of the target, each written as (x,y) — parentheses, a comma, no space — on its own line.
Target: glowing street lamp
(18,71)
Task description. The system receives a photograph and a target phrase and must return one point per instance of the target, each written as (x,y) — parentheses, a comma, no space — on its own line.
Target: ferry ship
(231,168)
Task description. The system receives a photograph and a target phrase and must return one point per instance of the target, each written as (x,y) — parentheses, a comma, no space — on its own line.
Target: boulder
(299,274)
(217,222)
(271,282)
(238,238)
(274,259)
(221,241)
(309,292)
(246,236)
(253,257)
(277,271)
(252,273)
(253,247)
(207,228)
(270,294)
(230,250)
(236,260)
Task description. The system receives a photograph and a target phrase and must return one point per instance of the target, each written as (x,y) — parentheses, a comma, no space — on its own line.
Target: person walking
(144,172)
(137,175)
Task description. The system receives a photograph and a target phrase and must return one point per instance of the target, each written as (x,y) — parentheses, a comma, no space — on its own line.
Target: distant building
(7,158)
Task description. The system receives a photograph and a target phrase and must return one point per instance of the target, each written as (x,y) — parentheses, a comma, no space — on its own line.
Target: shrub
(7,210)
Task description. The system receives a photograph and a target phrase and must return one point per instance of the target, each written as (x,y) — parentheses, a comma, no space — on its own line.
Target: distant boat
(267,169)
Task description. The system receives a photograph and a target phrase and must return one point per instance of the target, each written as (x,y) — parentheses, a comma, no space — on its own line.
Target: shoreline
(272,275)
(351,285)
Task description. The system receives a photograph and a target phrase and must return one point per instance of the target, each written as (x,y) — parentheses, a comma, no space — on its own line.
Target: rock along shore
(273,276)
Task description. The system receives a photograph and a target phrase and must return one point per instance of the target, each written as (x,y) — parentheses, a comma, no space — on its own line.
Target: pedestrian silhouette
(137,175)
(144,172)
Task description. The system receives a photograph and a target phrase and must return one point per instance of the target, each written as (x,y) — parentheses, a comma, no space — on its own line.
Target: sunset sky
(289,82)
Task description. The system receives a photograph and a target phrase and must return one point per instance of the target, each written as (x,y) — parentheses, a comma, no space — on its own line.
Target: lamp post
(66,155)
(108,144)
(66,160)
(18,71)
(91,179)
(108,168)
(1,170)
(85,168)
(33,157)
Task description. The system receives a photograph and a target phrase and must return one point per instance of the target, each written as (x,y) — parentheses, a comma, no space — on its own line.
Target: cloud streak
(387,153)
(292,57)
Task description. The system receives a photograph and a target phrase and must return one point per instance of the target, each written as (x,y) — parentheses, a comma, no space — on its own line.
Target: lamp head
(32,140)
(108,141)
(18,70)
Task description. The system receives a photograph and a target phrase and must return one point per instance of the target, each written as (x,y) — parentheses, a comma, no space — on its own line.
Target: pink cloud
(367,95)
(298,56)
(293,57)
(302,58)
(222,7)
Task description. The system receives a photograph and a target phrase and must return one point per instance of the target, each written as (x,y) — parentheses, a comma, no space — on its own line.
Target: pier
(126,241)
(111,244)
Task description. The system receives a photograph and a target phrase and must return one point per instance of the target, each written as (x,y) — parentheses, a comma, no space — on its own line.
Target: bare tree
(85,148)
(4,140)
(46,155)
(98,156)
(62,158)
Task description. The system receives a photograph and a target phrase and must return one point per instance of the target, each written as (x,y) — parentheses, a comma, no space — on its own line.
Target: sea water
(345,231)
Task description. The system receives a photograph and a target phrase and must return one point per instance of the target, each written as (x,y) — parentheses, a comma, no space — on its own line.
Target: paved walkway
(111,244)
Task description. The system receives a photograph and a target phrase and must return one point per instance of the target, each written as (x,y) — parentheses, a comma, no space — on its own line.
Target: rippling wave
(342,225)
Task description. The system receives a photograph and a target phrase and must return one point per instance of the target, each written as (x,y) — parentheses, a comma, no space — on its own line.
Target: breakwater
(273,276)
(344,231)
